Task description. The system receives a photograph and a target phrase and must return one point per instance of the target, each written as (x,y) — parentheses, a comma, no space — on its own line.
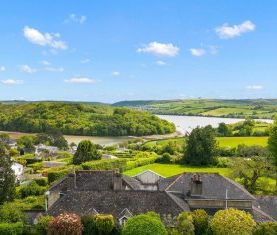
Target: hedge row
(11,229)
(105,164)
(140,162)
(122,164)
(56,175)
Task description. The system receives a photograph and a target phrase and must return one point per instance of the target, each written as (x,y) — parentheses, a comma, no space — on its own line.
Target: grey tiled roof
(214,186)
(94,180)
(268,204)
(114,202)
(132,182)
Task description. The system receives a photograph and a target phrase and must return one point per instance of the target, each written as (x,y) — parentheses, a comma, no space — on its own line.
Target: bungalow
(109,192)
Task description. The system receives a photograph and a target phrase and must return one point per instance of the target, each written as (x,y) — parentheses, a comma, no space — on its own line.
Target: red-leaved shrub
(65,224)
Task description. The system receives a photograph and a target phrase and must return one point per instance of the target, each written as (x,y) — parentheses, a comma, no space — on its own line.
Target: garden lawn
(222,141)
(168,170)
(235,141)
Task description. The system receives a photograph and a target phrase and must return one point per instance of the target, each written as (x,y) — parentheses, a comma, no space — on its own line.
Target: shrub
(11,229)
(86,151)
(184,224)
(55,175)
(88,224)
(43,223)
(232,222)
(165,158)
(144,225)
(32,189)
(140,162)
(41,181)
(266,228)
(65,224)
(104,223)
(9,213)
(105,164)
(200,221)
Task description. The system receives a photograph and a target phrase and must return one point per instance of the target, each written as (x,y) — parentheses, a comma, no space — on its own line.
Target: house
(109,192)
(18,170)
(44,148)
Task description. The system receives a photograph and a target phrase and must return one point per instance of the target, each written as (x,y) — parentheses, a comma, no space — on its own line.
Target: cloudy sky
(140,49)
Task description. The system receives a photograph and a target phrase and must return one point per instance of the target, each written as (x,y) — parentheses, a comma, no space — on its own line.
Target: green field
(222,141)
(256,108)
(168,170)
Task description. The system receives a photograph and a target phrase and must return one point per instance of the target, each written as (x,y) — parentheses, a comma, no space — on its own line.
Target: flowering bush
(232,222)
(65,224)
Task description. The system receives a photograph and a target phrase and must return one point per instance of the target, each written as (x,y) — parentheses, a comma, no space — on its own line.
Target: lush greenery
(201,147)
(86,151)
(260,108)
(168,170)
(7,177)
(232,222)
(144,224)
(80,119)
(272,142)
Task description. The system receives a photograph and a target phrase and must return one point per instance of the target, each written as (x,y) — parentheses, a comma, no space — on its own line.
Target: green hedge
(123,164)
(55,175)
(105,164)
(140,162)
(11,229)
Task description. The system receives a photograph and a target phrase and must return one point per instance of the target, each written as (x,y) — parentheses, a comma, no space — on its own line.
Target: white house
(41,148)
(18,170)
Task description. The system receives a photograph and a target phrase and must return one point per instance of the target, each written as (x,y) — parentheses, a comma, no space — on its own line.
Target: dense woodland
(80,119)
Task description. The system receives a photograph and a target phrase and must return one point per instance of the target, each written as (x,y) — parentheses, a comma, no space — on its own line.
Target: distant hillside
(80,119)
(256,108)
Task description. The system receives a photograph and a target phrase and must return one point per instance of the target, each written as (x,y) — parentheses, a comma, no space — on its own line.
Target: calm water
(185,124)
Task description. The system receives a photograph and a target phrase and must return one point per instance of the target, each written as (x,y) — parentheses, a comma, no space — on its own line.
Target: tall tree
(201,146)
(86,151)
(272,141)
(7,177)
(250,170)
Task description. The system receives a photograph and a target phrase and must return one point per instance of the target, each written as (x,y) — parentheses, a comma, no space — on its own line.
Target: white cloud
(255,87)
(85,61)
(27,69)
(160,49)
(11,82)
(115,73)
(160,62)
(197,52)
(75,18)
(83,80)
(226,32)
(2,68)
(44,39)
(45,62)
(54,69)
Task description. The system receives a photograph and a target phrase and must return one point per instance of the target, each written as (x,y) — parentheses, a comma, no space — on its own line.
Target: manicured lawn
(172,169)
(235,141)
(222,141)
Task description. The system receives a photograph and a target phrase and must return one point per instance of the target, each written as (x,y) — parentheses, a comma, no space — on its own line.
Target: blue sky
(127,50)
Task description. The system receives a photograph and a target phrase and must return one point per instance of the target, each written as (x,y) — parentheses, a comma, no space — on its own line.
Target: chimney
(117,180)
(196,185)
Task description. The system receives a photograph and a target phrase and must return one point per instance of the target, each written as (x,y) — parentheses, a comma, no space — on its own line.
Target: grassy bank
(168,170)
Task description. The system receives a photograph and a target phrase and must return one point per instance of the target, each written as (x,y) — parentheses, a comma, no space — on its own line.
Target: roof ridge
(173,182)
(262,212)
(238,185)
(172,197)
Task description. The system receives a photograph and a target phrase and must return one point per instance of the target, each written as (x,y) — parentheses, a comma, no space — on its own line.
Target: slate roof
(94,180)
(214,186)
(132,182)
(114,202)
(268,204)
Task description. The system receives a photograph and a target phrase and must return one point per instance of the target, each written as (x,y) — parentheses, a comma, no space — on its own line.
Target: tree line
(80,119)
